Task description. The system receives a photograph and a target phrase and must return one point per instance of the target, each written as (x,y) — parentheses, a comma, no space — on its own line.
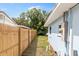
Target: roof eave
(58,11)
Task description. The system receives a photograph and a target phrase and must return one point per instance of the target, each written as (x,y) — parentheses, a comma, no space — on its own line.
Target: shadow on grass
(31,50)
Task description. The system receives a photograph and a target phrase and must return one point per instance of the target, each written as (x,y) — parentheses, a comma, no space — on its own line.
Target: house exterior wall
(55,41)
(6,20)
(75,29)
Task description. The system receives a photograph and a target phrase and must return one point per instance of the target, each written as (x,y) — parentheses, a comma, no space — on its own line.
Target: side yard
(39,47)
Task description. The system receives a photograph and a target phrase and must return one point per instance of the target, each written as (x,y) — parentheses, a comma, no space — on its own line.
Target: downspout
(64,28)
(66,32)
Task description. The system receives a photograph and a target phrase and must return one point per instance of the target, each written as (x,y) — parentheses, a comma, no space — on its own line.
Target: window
(61,29)
(59,26)
(50,29)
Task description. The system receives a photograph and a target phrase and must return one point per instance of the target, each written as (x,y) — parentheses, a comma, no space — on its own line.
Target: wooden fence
(23,39)
(14,40)
(32,34)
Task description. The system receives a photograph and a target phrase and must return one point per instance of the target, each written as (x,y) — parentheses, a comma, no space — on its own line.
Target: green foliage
(35,19)
(21,21)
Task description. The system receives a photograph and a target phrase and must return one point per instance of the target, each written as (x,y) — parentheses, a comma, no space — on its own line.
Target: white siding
(75,28)
(7,21)
(73,33)
(2,18)
(56,42)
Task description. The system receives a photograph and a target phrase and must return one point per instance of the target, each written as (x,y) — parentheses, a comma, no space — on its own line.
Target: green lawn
(38,47)
(42,41)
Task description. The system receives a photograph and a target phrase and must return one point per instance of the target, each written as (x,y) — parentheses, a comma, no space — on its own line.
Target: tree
(23,15)
(22,21)
(37,19)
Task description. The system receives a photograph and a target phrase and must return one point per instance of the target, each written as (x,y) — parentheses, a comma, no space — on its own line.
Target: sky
(15,9)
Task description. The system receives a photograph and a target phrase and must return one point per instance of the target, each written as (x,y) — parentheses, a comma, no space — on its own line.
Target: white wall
(7,21)
(75,28)
(56,42)
(73,32)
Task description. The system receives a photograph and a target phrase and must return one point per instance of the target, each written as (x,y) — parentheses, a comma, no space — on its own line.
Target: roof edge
(58,11)
(8,17)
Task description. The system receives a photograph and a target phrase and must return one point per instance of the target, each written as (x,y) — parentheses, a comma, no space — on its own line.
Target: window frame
(50,29)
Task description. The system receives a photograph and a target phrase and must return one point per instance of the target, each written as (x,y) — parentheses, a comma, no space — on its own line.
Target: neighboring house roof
(23,26)
(58,11)
(8,17)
